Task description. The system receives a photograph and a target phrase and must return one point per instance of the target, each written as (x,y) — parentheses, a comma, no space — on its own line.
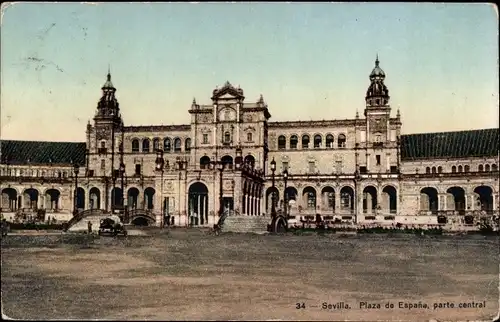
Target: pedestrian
(89,225)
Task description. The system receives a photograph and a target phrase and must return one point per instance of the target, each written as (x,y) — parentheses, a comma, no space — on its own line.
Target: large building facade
(361,169)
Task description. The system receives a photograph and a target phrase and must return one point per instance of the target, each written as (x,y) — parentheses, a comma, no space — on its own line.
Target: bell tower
(378,110)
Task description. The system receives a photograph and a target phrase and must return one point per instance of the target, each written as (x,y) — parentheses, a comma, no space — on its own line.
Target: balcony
(378,145)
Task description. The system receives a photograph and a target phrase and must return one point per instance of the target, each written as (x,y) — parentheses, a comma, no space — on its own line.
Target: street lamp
(285,179)
(76,170)
(122,174)
(220,167)
(273,197)
(160,162)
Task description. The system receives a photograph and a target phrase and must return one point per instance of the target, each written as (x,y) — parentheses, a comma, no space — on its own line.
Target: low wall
(59,216)
(404,220)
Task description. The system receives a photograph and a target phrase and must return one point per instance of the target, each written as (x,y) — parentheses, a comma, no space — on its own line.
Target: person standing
(89,226)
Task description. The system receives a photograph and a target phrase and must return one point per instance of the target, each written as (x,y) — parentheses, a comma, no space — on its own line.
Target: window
(137,169)
(331,200)
(205,138)
(317,141)
(341,141)
(311,200)
(440,169)
(281,142)
(187,145)
(305,141)
(377,157)
(394,169)
(480,168)
(103,164)
(362,169)
(329,141)
(103,144)
(145,146)
(156,144)
(433,169)
(466,168)
(89,174)
(345,200)
(453,169)
(284,165)
(249,137)
(227,137)
(167,145)
(428,170)
(177,145)
(312,166)
(294,140)
(460,168)
(494,167)
(487,168)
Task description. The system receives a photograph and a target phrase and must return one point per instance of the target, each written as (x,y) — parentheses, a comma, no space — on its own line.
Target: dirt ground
(188,275)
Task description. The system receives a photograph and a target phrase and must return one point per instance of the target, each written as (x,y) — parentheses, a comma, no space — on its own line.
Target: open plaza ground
(190,275)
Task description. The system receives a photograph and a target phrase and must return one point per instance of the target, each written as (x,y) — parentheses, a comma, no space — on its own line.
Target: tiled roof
(41,152)
(458,144)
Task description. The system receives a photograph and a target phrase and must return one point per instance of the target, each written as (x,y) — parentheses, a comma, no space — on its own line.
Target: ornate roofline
(156,128)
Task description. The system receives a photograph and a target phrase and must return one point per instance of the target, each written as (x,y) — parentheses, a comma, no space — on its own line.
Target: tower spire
(377,61)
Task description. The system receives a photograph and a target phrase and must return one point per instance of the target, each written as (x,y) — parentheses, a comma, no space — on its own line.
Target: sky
(310,61)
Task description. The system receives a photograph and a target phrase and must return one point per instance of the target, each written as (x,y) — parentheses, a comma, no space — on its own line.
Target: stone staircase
(246,224)
(82,225)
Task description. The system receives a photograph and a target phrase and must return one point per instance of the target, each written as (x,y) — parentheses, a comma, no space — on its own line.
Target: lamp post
(285,179)
(76,170)
(273,197)
(160,162)
(122,174)
(220,167)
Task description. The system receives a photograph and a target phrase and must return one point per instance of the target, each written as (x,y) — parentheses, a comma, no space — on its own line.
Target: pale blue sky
(310,61)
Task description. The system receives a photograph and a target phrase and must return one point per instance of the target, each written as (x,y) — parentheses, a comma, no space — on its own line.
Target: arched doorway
(31,198)
(132,198)
(52,199)
(328,199)
(117,197)
(198,204)
(204,162)
(9,199)
(149,194)
(389,200)
(94,198)
(227,160)
(140,221)
(429,199)
(270,192)
(309,198)
(250,160)
(369,199)
(347,199)
(484,198)
(455,199)
(80,198)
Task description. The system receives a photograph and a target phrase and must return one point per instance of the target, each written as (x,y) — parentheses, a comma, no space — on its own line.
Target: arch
(341,141)
(317,141)
(305,141)
(140,221)
(440,169)
(309,197)
(487,168)
(466,168)
(187,145)
(460,169)
(270,193)
(294,141)
(117,198)
(249,159)
(145,145)
(52,199)
(480,168)
(429,199)
(94,198)
(281,142)
(227,160)
(9,197)
(31,198)
(156,144)
(455,198)
(389,199)
(369,199)
(347,198)
(494,167)
(428,170)
(167,145)
(198,203)
(433,170)
(328,198)
(80,198)
(453,169)
(135,145)
(133,198)
(177,145)
(149,194)
(205,162)
(291,193)
(484,198)
(329,141)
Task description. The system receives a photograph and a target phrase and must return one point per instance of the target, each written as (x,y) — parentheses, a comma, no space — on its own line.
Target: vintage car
(108,226)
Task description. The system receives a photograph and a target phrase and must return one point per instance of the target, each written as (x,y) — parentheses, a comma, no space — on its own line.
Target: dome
(377,71)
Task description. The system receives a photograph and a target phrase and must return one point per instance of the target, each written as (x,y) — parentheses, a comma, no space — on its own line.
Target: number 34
(299,306)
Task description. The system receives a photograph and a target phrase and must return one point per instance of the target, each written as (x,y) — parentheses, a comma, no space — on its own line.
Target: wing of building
(231,157)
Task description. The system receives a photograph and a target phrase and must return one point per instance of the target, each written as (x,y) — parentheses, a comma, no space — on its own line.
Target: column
(493,199)
(337,200)
(466,201)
